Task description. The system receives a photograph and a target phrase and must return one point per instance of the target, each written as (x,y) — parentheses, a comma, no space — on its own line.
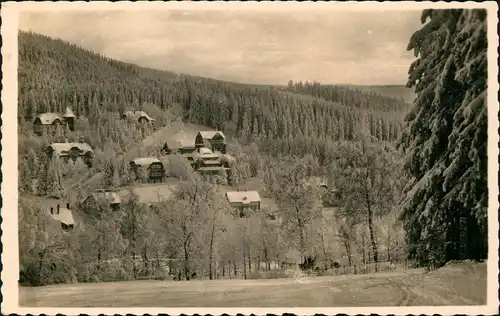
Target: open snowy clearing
(457,284)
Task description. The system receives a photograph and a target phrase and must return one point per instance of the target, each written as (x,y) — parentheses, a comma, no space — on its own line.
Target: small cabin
(152,166)
(103,196)
(46,123)
(64,216)
(214,140)
(244,202)
(73,151)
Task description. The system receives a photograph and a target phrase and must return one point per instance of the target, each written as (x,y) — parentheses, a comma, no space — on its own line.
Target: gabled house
(64,216)
(138,116)
(46,123)
(102,196)
(72,151)
(214,140)
(244,202)
(152,166)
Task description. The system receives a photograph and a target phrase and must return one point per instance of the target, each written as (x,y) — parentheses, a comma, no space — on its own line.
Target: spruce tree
(54,185)
(445,139)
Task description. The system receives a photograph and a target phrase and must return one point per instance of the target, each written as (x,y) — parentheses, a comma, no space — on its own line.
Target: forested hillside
(54,74)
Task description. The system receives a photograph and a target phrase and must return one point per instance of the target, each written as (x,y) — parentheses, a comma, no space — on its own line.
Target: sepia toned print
(260,158)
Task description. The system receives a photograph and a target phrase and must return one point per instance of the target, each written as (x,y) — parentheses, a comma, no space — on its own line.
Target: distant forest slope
(54,74)
(393,91)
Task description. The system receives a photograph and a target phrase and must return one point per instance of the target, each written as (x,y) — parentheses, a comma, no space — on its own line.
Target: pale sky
(269,47)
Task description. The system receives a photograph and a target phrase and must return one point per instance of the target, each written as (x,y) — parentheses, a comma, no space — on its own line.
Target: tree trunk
(302,238)
(99,259)
(186,253)
(249,261)
(157,260)
(389,259)
(266,258)
(372,238)
(324,250)
(212,237)
(244,266)
(349,253)
(146,259)
(363,248)
(40,265)
(210,276)
(134,267)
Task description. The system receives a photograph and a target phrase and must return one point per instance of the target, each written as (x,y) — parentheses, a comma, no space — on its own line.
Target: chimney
(52,210)
(57,209)
(67,205)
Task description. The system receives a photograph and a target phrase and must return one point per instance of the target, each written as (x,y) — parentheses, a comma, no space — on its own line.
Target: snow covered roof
(205,151)
(138,114)
(145,161)
(64,148)
(110,197)
(48,118)
(68,113)
(244,197)
(211,134)
(64,215)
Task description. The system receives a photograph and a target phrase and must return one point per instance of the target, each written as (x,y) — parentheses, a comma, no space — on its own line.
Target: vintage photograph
(262,155)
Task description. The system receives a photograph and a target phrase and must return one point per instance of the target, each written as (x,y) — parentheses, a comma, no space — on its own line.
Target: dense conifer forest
(280,136)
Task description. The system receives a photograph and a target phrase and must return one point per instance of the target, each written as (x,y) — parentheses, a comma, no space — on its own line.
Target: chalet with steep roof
(214,140)
(153,167)
(46,123)
(72,151)
(63,215)
(244,202)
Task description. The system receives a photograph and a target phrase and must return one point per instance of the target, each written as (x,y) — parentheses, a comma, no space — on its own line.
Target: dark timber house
(214,140)
(46,123)
(72,151)
(244,202)
(151,165)
(64,216)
